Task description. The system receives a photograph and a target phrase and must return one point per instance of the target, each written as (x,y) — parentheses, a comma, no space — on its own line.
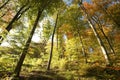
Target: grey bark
(107,39)
(100,42)
(106,56)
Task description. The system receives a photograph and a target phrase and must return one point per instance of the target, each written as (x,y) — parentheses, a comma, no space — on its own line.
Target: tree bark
(100,42)
(52,44)
(97,36)
(24,52)
(107,39)
(22,12)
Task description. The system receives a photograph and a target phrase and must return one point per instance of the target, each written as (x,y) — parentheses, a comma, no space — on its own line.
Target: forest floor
(35,69)
(94,72)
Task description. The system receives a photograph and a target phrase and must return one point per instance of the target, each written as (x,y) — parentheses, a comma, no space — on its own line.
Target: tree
(97,36)
(4,4)
(52,43)
(24,52)
(83,47)
(103,7)
(95,13)
(107,39)
(74,18)
(16,17)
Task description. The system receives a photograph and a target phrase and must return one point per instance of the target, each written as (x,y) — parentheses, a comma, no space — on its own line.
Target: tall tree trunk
(97,36)
(82,45)
(9,27)
(83,49)
(4,4)
(52,44)
(100,42)
(22,12)
(107,39)
(24,52)
(18,14)
(57,39)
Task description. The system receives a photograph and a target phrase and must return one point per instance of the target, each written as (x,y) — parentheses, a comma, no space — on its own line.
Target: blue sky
(68,2)
(87,0)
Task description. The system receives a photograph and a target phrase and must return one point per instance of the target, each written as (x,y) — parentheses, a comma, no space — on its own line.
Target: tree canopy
(59,39)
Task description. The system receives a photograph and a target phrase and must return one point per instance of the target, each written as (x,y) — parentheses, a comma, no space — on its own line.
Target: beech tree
(58,37)
(97,36)
(96,14)
(75,20)
(24,52)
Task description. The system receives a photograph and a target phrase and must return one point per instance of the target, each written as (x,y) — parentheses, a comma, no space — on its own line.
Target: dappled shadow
(42,75)
(104,73)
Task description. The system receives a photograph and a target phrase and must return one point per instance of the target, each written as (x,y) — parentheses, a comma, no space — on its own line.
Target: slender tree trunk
(57,40)
(82,45)
(18,14)
(9,27)
(52,44)
(97,36)
(22,12)
(107,39)
(83,49)
(24,52)
(4,4)
(100,42)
